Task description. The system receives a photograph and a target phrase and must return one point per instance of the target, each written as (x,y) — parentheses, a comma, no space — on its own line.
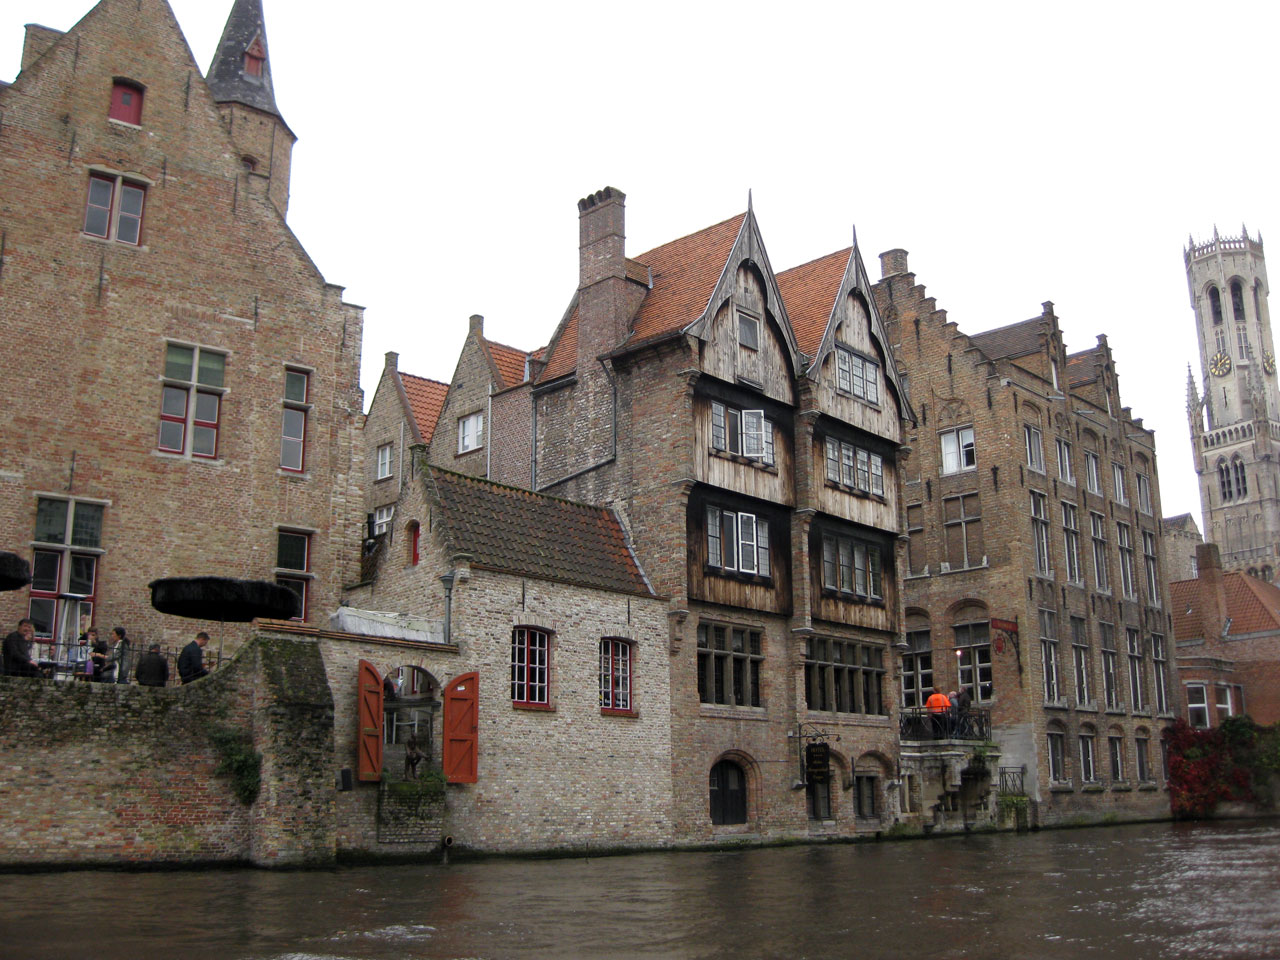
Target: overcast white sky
(1021,153)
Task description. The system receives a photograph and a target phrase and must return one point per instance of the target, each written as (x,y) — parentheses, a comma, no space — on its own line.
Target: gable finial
(750,208)
(855,236)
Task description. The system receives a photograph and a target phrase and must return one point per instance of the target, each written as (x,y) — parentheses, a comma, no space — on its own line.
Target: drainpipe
(447,580)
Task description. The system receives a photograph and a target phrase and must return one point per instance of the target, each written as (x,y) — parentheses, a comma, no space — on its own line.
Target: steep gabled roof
(1083,367)
(809,291)
(1015,340)
(426,400)
(511,364)
(529,534)
(1252,604)
(228,81)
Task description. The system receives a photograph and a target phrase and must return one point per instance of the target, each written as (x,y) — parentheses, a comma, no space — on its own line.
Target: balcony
(919,725)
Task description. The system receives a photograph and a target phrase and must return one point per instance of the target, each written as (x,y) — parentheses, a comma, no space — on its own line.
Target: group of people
(103,661)
(947,710)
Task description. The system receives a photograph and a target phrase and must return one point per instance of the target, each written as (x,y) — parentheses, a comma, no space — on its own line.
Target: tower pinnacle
(241,69)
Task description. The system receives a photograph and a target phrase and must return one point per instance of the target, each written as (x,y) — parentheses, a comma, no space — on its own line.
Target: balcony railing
(921,724)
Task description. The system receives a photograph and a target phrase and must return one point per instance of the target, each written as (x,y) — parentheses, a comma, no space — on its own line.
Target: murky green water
(1152,891)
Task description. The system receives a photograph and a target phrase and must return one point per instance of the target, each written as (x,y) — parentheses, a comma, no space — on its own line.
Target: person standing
(122,654)
(191,660)
(153,668)
(18,661)
(100,657)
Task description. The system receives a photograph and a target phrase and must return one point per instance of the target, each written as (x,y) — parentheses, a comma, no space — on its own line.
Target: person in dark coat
(153,668)
(18,661)
(100,656)
(122,654)
(191,660)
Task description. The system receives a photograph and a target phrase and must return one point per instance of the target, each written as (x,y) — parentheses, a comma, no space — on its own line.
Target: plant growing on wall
(238,760)
(1237,760)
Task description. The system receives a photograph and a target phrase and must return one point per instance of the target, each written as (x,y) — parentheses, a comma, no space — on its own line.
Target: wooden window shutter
(461,726)
(369,722)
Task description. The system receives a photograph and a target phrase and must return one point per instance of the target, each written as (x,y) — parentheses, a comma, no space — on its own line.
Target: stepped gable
(683,273)
(1252,604)
(1015,340)
(1083,367)
(809,291)
(528,534)
(426,400)
(229,82)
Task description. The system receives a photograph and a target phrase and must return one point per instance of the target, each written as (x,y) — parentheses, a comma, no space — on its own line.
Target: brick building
(1228,651)
(181,360)
(1033,577)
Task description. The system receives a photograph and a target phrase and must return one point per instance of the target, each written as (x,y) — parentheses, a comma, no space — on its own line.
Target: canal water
(1136,892)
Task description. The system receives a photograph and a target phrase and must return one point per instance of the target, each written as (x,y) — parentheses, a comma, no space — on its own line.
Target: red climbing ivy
(1233,761)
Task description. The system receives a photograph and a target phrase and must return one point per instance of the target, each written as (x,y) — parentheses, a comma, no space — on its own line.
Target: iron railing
(1011,781)
(921,724)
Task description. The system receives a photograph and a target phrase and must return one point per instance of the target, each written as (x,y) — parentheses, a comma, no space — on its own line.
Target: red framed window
(293,563)
(64,570)
(293,433)
(113,209)
(415,532)
(191,400)
(615,675)
(126,103)
(530,666)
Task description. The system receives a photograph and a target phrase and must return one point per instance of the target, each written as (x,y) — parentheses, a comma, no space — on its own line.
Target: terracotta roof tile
(809,293)
(1015,340)
(528,534)
(510,363)
(1252,604)
(563,353)
(426,400)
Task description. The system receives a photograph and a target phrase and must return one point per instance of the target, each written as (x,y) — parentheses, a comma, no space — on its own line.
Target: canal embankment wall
(107,774)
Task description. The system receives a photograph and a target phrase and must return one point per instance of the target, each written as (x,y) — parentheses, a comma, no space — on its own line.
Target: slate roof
(1015,340)
(1082,367)
(426,400)
(1252,604)
(529,534)
(684,274)
(809,292)
(227,80)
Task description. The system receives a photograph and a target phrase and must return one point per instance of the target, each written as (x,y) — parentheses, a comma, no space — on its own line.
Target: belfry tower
(240,81)
(1235,417)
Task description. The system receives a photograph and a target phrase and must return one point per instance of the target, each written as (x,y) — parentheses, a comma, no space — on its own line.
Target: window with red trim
(530,666)
(615,675)
(126,103)
(293,559)
(415,531)
(64,569)
(254,58)
(293,435)
(113,209)
(191,400)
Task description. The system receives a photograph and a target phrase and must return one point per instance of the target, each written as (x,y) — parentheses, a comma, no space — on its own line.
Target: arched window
(1237,301)
(1242,482)
(1215,305)
(728,791)
(1224,481)
(972,631)
(1266,572)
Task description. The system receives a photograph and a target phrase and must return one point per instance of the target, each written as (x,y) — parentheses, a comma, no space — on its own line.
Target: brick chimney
(1212,598)
(893,262)
(391,360)
(602,266)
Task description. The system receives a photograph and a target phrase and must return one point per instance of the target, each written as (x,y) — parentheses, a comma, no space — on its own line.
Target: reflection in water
(1153,891)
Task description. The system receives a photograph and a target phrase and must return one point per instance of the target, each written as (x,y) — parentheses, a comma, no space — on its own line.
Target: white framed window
(958,450)
(293,431)
(191,400)
(384,461)
(1142,757)
(615,675)
(1066,473)
(1093,472)
(1124,539)
(1088,773)
(470,432)
(1137,670)
(293,563)
(113,209)
(530,667)
(737,541)
(748,331)
(1197,706)
(1159,672)
(973,646)
(1049,655)
(1040,532)
(1057,757)
(1150,568)
(854,467)
(1110,669)
(748,433)
(1071,542)
(857,375)
(1144,493)
(1101,568)
(852,566)
(1084,687)
(1035,447)
(1224,702)
(1117,479)
(382,517)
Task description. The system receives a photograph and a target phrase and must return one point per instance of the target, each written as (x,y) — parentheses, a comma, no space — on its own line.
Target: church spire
(241,69)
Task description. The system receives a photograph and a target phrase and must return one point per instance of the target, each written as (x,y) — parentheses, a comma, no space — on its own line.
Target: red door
(461,728)
(368,722)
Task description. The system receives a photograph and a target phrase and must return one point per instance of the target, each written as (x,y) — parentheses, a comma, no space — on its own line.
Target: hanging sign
(1003,633)
(817,762)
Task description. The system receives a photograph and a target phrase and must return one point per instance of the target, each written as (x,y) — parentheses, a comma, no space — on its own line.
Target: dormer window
(126,103)
(748,331)
(254,58)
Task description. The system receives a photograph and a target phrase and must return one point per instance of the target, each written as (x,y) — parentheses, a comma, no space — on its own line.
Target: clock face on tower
(1269,363)
(1219,364)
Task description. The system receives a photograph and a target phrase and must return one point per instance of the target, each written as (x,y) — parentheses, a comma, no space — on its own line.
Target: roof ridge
(692,233)
(847,251)
(535,494)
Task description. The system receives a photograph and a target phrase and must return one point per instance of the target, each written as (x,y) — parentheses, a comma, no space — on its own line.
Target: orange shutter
(461,728)
(369,722)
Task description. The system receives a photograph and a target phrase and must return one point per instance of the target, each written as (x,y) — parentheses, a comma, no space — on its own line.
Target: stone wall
(119,774)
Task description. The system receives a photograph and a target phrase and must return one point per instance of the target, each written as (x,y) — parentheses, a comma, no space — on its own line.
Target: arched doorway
(411,705)
(728,791)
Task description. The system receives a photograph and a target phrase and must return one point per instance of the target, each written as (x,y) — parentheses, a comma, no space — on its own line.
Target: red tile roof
(529,534)
(426,400)
(1252,604)
(809,292)
(510,363)
(684,272)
